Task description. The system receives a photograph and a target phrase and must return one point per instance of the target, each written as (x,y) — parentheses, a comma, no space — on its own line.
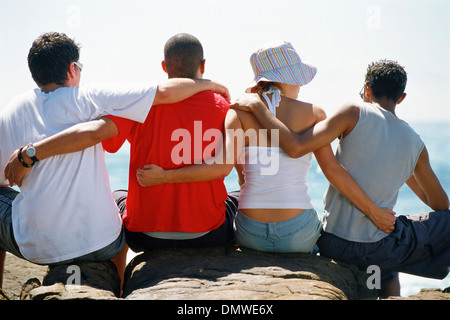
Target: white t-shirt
(65,208)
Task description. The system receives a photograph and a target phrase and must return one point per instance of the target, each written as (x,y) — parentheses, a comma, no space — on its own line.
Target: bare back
(298,116)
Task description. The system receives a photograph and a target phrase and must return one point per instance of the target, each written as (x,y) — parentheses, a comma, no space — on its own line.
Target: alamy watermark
(374,280)
(373,21)
(73,16)
(191,146)
(74,272)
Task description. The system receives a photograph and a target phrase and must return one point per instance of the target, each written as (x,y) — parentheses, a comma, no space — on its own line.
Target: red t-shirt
(188,207)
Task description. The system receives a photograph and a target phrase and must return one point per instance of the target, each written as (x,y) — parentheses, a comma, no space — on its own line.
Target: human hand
(220,89)
(14,171)
(384,219)
(248,102)
(150,175)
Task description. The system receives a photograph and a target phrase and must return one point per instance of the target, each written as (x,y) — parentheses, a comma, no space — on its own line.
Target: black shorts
(419,245)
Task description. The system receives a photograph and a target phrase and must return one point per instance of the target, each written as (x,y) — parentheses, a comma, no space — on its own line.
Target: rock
(82,280)
(59,291)
(28,286)
(198,274)
(426,294)
(233,273)
(17,272)
(3,295)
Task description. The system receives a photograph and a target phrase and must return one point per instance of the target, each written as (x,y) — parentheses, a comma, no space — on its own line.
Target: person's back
(380,153)
(173,136)
(275,209)
(65,209)
(273,180)
(177,135)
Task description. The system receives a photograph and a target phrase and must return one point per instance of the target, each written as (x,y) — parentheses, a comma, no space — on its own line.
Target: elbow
(94,134)
(296,152)
(441,205)
(224,170)
(90,138)
(162,95)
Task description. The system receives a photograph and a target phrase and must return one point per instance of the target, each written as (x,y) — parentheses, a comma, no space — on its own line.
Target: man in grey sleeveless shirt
(381,152)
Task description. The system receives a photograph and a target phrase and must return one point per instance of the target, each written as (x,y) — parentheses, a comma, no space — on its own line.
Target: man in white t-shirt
(67,213)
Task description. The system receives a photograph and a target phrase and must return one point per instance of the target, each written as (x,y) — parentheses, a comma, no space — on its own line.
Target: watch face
(31,151)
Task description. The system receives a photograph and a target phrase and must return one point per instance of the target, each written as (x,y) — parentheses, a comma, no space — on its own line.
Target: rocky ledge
(203,274)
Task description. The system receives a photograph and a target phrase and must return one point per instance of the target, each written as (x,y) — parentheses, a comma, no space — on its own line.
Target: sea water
(437,140)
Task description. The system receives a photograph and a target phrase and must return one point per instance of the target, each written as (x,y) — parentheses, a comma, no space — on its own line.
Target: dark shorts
(8,243)
(223,235)
(419,245)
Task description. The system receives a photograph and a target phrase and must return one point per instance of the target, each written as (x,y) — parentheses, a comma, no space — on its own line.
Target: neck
(72,81)
(50,87)
(386,104)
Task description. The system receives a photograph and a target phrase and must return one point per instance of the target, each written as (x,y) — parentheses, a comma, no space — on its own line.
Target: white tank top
(272,178)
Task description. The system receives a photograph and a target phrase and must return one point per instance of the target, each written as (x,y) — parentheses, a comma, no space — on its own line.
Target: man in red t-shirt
(193,214)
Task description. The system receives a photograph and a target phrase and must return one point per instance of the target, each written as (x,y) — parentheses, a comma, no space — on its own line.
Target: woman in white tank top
(275,211)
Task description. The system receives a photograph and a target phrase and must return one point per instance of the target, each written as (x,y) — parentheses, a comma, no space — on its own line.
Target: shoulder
(20,103)
(236,113)
(319,113)
(306,111)
(348,112)
(349,108)
(235,117)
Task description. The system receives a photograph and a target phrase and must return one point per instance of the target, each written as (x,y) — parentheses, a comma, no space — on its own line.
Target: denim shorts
(298,234)
(8,243)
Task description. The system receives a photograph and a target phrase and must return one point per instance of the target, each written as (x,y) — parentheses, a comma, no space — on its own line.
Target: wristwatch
(31,152)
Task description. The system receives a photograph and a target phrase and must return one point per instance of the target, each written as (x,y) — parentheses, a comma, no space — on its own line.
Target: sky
(122,41)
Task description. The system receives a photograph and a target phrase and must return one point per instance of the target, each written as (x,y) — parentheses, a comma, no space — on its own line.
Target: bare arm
(293,143)
(340,178)
(425,184)
(178,89)
(73,139)
(151,174)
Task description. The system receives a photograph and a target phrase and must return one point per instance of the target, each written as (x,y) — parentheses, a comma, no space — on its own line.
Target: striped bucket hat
(279,62)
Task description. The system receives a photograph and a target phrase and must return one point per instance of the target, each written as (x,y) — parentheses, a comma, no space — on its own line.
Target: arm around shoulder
(325,130)
(73,139)
(178,89)
(210,169)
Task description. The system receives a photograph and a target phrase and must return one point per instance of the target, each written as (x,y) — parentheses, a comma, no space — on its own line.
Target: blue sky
(122,41)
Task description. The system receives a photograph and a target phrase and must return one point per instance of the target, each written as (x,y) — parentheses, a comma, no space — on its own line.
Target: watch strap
(26,165)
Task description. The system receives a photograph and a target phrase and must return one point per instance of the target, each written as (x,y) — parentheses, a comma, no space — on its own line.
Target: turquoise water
(437,140)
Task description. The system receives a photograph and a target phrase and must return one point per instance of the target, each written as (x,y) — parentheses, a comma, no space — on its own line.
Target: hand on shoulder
(247,102)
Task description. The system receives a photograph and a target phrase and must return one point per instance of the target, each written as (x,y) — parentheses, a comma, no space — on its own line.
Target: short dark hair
(50,56)
(183,54)
(387,79)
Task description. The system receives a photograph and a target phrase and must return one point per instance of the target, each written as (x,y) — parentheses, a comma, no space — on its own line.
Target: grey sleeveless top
(380,153)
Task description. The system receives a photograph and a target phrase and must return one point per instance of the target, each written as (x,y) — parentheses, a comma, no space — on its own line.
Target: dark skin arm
(294,144)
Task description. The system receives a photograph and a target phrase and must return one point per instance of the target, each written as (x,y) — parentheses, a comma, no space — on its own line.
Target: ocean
(437,141)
